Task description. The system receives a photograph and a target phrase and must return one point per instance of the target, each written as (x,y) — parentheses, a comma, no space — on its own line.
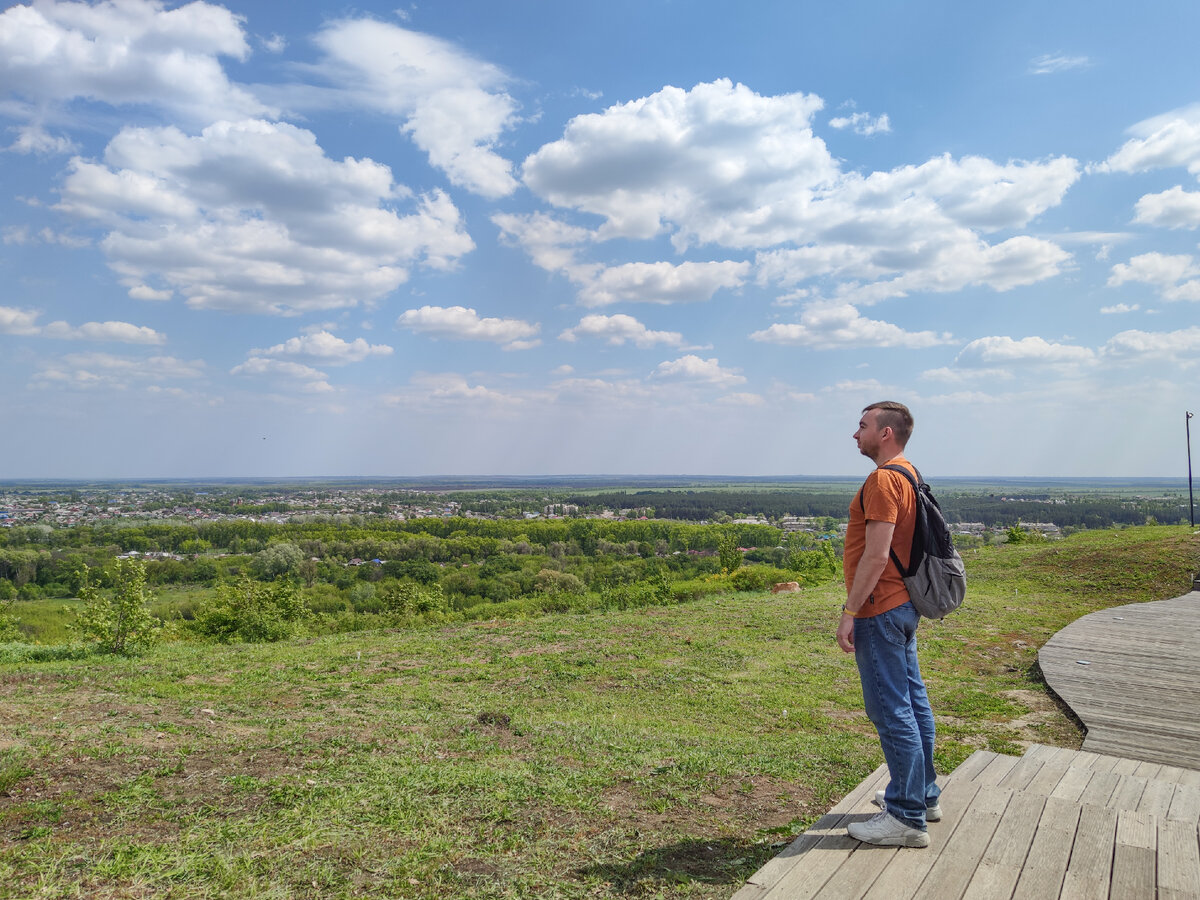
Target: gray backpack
(935,577)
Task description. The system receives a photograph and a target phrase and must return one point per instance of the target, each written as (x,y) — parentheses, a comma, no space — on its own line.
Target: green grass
(662,752)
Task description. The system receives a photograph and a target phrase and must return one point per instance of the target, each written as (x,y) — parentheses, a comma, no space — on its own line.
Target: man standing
(879,625)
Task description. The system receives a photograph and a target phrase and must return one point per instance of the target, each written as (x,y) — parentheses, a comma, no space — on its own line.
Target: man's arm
(875,558)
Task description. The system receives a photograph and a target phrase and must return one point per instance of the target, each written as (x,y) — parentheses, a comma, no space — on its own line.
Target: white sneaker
(932,813)
(885,830)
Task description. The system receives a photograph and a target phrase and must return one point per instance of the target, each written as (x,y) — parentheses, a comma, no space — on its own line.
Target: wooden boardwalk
(1054,823)
(1132,675)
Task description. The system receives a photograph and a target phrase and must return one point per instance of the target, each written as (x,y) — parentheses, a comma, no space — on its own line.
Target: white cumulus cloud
(829,325)
(659,282)
(682,159)
(1173,208)
(23,322)
(464,324)
(1171,140)
(619,329)
(251,216)
(106,370)
(1030,350)
(722,165)
(307,378)
(427,392)
(123,52)
(34,138)
(693,368)
(1155,346)
(325,349)
(18,321)
(1176,276)
(453,106)
(863,123)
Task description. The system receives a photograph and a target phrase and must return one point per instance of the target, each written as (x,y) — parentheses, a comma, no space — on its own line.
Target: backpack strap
(915,482)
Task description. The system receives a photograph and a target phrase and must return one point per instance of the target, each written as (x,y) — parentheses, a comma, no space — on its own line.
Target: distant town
(791,510)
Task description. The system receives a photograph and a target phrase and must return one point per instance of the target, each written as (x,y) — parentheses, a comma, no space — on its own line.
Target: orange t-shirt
(888,497)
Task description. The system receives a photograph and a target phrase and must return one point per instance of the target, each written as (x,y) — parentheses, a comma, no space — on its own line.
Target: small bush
(755,578)
(10,625)
(119,622)
(325,598)
(252,612)
(408,599)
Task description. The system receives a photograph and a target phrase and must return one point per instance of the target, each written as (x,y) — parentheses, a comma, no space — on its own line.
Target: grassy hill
(658,752)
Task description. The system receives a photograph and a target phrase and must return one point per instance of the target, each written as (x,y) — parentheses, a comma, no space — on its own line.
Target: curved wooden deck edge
(1132,675)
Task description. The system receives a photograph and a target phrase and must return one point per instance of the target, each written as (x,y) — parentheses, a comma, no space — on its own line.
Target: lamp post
(1187,424)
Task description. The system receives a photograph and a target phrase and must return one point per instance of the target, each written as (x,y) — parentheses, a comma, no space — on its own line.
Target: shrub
(252,612)
(325,598)
(550,581)
(10,626)
(119,621)
(754,578)
(652,592)
(408,599)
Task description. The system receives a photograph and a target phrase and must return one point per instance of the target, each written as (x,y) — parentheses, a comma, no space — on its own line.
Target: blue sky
(271,239)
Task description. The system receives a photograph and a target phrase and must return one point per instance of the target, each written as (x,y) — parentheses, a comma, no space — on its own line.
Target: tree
(119,622)
(251,611)
(727,550)
(278,559)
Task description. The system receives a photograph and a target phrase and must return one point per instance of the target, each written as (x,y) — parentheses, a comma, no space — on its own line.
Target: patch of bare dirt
(1046,722)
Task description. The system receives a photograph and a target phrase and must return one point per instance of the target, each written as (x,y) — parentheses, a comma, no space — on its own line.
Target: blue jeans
(885,648)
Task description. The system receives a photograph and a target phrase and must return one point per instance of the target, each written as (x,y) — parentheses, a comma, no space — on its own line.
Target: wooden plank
(992,881)
(1148,770)
(1085,760)
(1100,788)
(1090,867)
(857,874)
(1052,771)
(777,867)
(1042,752)
(1126,766)
(1147,744)
(952,870)
(1134,857)
(1185,804)
(1010,844)
(828,846)
(1178,860)
(1156,799)
(1173,774)
(901,879)
(1072,784)
(1104,763)
(1128,793)
(1021,774)
(970,767)
(996,770)
(1046,865)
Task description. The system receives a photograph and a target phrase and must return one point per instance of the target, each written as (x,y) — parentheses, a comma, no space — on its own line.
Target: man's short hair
(895,416)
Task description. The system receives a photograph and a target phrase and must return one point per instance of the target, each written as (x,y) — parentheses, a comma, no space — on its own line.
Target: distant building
(790,524)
